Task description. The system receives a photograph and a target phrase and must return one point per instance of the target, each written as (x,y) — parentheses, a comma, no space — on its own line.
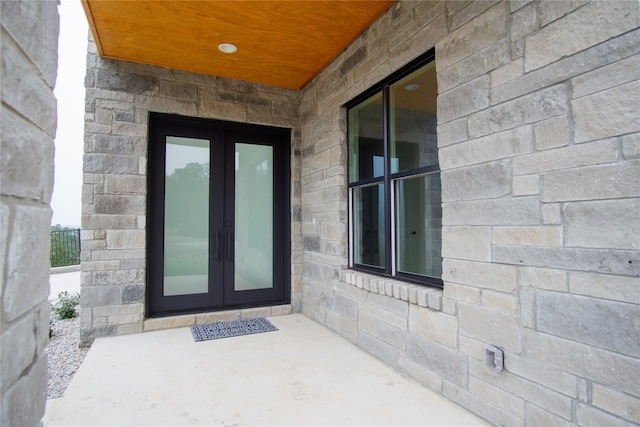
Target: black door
(218,212)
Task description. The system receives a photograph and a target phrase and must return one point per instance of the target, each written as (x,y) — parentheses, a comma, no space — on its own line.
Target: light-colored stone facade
(119,97)
(539,147)
(29,43)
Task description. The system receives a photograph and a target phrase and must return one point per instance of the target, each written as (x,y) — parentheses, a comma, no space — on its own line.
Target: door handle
(229,250)
(218,248)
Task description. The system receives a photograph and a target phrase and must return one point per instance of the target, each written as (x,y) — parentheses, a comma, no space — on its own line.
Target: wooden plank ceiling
(280,43)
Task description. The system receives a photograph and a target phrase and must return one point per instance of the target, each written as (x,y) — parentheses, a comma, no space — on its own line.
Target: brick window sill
(422,296)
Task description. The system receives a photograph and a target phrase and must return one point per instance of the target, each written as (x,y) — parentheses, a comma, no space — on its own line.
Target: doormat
(231,328)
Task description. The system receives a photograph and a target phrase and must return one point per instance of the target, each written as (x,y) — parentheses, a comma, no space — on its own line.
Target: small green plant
(65,308)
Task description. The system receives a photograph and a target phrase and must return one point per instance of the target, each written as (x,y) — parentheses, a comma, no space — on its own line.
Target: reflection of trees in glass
(187,205)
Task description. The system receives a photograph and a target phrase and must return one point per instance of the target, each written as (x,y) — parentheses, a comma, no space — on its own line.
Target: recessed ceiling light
(227,48)
(412,87)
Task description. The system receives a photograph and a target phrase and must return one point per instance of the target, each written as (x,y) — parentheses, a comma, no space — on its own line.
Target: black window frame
(388,178)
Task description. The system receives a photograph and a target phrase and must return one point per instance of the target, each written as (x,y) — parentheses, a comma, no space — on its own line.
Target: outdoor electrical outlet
(493,360)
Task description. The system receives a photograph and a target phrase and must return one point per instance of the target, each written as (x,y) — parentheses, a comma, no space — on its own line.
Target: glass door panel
(253,258)
(186,219)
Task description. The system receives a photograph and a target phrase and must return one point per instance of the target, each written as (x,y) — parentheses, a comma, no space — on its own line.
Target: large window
(394,176)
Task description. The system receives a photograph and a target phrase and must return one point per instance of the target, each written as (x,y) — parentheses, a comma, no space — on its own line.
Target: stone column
(28,116)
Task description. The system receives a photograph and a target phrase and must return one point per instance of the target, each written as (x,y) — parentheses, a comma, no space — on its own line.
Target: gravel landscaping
(63,355)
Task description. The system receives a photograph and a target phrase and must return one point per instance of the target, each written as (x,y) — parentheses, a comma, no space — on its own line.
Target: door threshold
(184,320)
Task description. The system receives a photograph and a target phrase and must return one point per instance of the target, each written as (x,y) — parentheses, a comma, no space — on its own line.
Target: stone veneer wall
(539,144)
(29,43)
(119,97)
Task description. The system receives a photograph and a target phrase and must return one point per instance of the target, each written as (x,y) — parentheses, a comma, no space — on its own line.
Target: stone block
(527,236)
(503,400)
(603,224)
(110,164)
(485,30)
(125,82)
(126,239)
(222,110)
(615,74)
(120,204)
(118,277)
(35,98)
(534,107)
(382,315)
(281,310)
(436,326)
(479,274)
(621,262)
(507,211)
(604,20)
(125,184)
(524,22)
(420,374)
(544,278)
(500,145)
(615,181)
(526,185)
(345,306)
(456,292)
(594,153)
(520,388)
(584,360)
(464,100)
(553,10)
(499,301)
(498,328)
(395,337)
(506,73)
(631,146)
(26,164)
(442,361)
(434,300)
(23,404)
(611,325)
(551,213)
(132,294)
(597,56)
(476,65)
(94,296)
(389,304)
(486,181)
(589,416)
(18,349)
(552,133)
(172,89)
(619,105)
(469,12)
(26,261)
(540,374)
(479,406)
(612,401)
(169,322)
(379,348)
(452,132)
(617,288)
(219,316)
(468,243)
(251,313)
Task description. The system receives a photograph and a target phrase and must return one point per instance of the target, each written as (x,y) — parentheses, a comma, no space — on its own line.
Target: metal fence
(65,247)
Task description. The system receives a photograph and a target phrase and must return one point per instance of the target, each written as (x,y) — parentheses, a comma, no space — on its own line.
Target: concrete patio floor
(302,374)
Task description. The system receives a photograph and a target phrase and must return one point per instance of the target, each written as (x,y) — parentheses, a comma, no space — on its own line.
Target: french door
(218,212)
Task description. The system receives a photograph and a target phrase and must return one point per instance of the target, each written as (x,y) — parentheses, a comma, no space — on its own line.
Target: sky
(69,91)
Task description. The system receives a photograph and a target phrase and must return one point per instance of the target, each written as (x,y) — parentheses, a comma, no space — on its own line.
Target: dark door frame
(221,210)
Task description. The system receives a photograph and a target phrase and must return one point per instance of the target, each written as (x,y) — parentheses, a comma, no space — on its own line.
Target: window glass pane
(368,225)
(419,225)
(253,217)
(186,216)
(413,120)
(366,148)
